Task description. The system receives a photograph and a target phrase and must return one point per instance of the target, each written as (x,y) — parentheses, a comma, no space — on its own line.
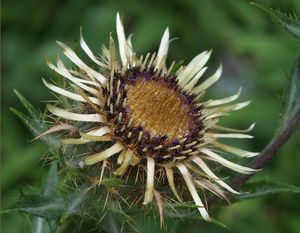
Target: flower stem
(271,149)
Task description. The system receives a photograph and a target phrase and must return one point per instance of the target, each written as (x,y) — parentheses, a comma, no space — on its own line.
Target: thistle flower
(151,116)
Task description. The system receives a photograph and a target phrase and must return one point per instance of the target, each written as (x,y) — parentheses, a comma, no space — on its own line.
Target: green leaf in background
(77,204)
(47,208)
(33,112)
(292,97)
(34,122)
(36,205)
(14,169)
(264,188)
(50,188)
(111,224)
(40,225)
(288,22)
(115,220)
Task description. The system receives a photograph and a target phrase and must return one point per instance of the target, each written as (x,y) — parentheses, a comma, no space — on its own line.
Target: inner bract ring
(153,116)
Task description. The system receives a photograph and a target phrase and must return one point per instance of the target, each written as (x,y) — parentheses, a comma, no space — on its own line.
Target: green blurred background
(255,53)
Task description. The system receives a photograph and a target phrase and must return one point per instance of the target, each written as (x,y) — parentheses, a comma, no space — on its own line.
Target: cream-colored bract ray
(121,157)
(234,150)
(208,185)
(125,163)
(63,71)
(229,135)
(123,46)
(75,141)
(163,50)
(190,184)
(187,73)
(99,132)
(88,52)
(130,47)
(226,129)
(226,108)
(98,157)
(77,61)
(75,116)
(69,94)
(206,169)
(150,181)
(226,163)
(213,103)
(214,116)
(170,177)
(209,124)
(189,86)
(152,58)
(105,138)
(208,82)
(83,78)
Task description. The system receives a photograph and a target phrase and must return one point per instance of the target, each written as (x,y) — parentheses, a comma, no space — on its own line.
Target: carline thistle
(151,116)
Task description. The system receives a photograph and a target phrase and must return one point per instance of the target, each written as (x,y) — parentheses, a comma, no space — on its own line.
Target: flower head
(151,117)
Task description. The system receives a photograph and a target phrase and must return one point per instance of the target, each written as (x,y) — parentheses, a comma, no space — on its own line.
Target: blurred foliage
(256,55)
(289,21)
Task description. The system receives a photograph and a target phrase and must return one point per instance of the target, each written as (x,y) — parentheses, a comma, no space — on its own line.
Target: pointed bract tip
(167,31)
(239,91)
(219,70)
(15,91)
(81,164)
(44,81)
(252,126)
(118,19)
(80,32)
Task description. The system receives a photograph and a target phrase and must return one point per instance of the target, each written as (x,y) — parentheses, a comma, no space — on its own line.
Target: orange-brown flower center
(152,115)
(160,109)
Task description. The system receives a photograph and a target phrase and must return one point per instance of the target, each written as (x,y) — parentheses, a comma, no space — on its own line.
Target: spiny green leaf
(40,225)
(263,188)
(288,22)
(77,203)
(37,127)
(115,219)
(33,112)
(41,206)
(50,188)
(35,122)
(111,225)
